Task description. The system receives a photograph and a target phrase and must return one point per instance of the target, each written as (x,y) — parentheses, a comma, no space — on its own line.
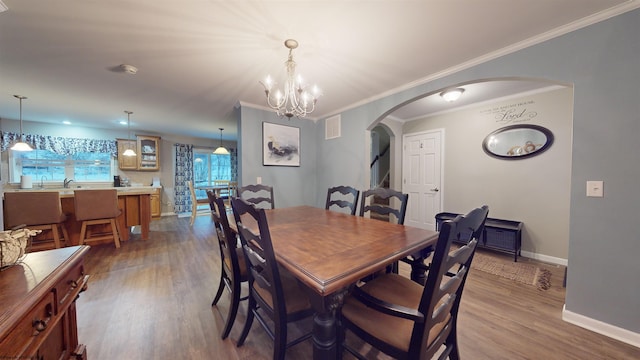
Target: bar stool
(37,210)
(97,207)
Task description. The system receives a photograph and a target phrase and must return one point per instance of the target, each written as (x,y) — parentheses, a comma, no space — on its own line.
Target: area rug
(517,271)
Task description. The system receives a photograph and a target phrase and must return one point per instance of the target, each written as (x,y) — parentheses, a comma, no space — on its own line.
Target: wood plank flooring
(152,300)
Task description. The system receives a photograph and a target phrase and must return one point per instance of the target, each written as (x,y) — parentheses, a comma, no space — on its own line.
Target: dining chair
(196,203)
(343,197)
(37,210)
(223,188)
(97,207)
(380,204)
(233,269)
(274,294)
(259,195)
(406,320)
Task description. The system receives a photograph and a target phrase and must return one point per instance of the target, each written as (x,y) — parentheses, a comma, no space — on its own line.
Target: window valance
(61,145)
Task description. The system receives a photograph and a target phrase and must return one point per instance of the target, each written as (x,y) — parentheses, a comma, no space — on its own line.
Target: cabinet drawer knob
(40,325)
(73,283)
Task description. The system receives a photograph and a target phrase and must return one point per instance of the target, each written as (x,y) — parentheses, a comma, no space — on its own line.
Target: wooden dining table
(330,251)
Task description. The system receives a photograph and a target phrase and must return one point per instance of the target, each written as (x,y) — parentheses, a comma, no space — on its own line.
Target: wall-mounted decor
(516,142)
(280,145)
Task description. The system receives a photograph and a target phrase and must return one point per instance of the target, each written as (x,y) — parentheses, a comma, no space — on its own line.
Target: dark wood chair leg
(220,289)
(280,342)
(233,311)
(248,322)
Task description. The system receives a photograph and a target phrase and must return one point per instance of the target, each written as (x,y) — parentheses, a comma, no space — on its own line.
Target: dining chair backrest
(443,290)
(192,191)
(343,197)
(223,187)
(258,194)
(196,202)
(276,293)
(233,267)
(264,276)
(226,237)
(380,203)
(407,320)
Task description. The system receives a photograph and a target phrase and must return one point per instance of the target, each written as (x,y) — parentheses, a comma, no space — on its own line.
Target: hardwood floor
(152,300)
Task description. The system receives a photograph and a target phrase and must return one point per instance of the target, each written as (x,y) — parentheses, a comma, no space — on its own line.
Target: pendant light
(129,151)
(221,150)
(21,145)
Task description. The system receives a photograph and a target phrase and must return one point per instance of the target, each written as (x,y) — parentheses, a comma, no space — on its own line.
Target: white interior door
(422,176)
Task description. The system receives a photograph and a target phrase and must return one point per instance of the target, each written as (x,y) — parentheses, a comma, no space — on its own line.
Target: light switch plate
(595,188)
(259,180)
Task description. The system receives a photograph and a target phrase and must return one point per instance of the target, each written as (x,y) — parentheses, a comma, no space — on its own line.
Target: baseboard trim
(602,328)
(545,258)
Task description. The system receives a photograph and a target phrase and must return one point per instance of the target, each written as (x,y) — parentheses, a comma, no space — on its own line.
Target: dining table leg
(324,336)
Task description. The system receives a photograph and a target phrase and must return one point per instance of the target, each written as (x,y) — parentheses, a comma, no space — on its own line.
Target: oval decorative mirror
(516,142)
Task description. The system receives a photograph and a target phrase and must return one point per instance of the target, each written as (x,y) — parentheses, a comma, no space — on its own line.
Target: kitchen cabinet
(156,205)
(127,162)
(147,150)
(148,153)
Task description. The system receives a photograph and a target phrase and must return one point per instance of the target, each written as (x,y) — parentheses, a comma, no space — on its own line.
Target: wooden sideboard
(38,311)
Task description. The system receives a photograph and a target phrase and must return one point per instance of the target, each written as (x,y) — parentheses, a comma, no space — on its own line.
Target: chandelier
(295,99)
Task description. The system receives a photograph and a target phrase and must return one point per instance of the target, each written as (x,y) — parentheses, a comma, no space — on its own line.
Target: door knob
(435,190)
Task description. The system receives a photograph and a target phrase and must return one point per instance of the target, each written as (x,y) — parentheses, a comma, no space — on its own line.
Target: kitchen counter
(135,203)
(68,192)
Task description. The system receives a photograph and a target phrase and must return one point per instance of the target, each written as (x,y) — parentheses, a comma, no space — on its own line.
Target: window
(47,166)
(208,167)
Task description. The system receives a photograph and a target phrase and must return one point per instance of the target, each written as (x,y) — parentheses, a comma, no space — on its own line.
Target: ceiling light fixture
(21,145)
(295,99)
(129,69)
(452,94)
(221,150)
(129,151)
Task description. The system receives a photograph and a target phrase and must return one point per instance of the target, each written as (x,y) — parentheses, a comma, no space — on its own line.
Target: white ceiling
(197,58)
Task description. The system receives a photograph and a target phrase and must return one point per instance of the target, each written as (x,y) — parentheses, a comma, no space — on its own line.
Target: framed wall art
(280,145)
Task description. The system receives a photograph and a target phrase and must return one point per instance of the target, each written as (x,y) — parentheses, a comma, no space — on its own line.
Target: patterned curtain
(184,173)
(234,164)
(60,145)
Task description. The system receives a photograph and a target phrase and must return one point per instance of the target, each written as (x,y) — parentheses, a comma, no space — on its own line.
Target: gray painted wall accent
(292,186)
(535,190)
(602,62)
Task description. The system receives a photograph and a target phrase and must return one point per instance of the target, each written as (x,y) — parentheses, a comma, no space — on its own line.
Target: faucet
(42,178)
(67,182)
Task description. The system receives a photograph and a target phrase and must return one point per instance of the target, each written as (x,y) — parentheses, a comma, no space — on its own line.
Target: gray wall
(288,189)
(513,189)
(602,62)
